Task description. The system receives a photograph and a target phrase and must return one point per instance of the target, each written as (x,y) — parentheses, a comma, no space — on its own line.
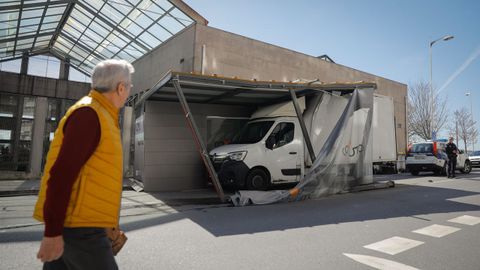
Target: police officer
(452,152)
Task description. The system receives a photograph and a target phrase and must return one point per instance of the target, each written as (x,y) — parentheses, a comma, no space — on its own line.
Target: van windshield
(422,148)
(253,132)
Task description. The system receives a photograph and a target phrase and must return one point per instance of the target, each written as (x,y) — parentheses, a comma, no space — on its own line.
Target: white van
(273,143)
(270,148)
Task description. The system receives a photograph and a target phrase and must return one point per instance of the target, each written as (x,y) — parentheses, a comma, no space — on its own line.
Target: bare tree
(474,135)
(467,131)
(420,116)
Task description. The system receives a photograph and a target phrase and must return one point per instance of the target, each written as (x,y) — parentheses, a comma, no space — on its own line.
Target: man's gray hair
(107,74)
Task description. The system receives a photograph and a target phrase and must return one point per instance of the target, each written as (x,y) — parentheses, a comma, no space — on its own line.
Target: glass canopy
(88,31)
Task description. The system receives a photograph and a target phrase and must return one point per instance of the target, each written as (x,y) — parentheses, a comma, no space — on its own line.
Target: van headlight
(237,156)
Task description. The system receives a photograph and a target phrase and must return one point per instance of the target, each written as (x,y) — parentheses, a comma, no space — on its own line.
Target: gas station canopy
(85,32)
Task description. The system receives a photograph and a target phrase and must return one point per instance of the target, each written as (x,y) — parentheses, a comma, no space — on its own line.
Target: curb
(11,193)
(26,192)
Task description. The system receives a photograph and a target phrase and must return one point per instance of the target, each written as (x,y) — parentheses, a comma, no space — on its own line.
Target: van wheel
(467,168)
(257,179)
(415,173)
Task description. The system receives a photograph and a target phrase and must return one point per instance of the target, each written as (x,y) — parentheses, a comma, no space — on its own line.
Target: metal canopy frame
(88,31)
(188,87)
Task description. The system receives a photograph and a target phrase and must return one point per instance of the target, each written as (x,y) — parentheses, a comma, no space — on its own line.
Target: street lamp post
(468,94)
(432,124)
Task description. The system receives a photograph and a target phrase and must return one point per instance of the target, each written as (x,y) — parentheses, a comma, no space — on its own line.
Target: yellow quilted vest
(96,193)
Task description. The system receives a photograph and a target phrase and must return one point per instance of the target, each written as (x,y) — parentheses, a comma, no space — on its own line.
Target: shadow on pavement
(221,220)
(403,201)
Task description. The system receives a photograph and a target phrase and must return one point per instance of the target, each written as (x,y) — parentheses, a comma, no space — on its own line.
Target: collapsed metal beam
(198,139)
(302,125)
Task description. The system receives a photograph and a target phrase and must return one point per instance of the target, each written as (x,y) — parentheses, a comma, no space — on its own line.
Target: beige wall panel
(165,146)
(174,54)
(173,183)
(171,158)
(173,171)
(172,161)
(170,133)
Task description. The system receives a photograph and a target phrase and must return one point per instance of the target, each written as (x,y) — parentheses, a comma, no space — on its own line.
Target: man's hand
(51,248)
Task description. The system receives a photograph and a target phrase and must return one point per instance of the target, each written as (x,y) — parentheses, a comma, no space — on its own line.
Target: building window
(8,113)
(16,132)
(11,66)
(56,109)
(77,76)
(26,130)
(44,66)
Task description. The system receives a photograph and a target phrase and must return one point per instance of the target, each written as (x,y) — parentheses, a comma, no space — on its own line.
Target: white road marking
(466,220)
(472,199)
(437,230)
(379,263)
(394,245)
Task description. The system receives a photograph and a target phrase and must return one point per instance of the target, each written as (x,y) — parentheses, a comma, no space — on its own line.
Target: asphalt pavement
(425,222)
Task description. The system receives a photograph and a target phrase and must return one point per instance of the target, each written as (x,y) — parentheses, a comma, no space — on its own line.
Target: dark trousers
(84,249)
(452,165)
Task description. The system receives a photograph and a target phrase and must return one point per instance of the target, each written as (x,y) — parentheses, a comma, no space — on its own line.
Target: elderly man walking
(81,187)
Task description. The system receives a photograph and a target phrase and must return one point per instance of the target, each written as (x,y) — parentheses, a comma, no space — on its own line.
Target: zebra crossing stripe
(394,245)
(466,220)
(437,230)
(379,263)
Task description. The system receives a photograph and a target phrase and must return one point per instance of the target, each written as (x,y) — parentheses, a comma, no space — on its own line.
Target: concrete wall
(172,161)
(228,54)
(175,54)
(40,86)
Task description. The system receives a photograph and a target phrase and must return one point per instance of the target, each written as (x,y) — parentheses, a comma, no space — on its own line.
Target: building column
(24,64)
(126,138)
(38,134)
(17,132)
(64,69)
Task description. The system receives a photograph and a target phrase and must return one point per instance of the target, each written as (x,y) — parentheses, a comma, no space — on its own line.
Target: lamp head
(445,38)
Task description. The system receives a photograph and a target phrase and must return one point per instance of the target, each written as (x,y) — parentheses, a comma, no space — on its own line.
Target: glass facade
(15,131)
(44,66)
(94,30)
(56,110)
(8,115)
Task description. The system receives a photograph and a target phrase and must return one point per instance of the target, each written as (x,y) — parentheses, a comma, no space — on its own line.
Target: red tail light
(435,148)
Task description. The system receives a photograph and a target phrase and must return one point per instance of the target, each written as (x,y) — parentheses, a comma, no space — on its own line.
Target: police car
(430,156)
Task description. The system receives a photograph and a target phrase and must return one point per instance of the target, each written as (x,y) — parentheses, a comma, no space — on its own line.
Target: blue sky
(389,38)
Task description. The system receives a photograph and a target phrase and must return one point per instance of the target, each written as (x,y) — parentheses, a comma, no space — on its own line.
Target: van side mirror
(270,142)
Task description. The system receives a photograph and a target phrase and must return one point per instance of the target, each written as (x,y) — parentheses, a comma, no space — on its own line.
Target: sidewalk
(31,187)
(19,187)
(206,196)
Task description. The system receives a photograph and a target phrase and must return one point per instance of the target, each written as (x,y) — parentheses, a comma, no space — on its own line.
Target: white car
(475,159)
(431,156)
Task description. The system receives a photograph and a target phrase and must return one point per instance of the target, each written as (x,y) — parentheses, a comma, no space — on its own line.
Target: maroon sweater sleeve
(81,137)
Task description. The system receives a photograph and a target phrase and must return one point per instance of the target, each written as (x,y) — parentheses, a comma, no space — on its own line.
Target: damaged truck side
(270,149)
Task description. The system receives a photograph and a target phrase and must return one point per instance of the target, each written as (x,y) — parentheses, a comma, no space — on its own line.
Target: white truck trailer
(270,148)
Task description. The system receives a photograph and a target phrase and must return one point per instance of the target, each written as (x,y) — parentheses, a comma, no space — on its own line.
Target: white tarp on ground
(344,161)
